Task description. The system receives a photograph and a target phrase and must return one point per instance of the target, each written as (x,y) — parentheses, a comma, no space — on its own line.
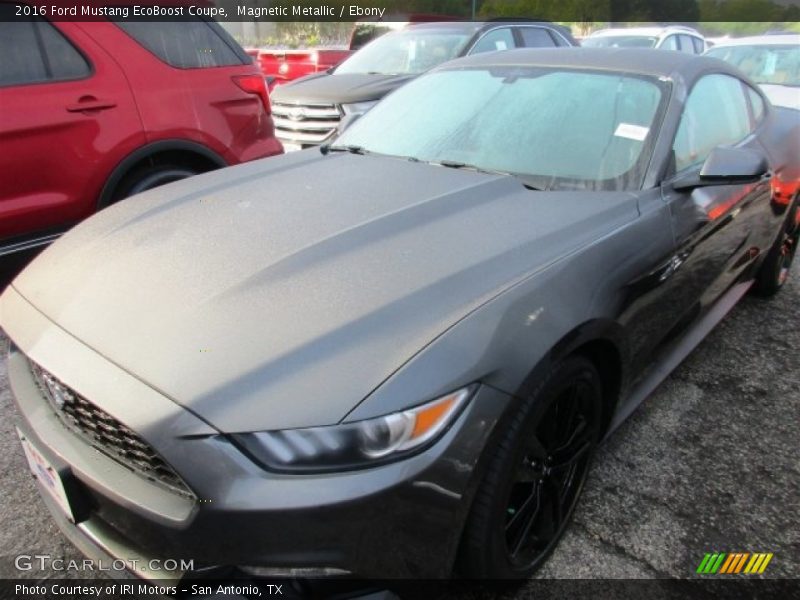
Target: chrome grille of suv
(105,433)
(305,124)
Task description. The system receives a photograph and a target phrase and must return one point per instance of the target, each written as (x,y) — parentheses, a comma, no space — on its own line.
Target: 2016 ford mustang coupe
(395,356)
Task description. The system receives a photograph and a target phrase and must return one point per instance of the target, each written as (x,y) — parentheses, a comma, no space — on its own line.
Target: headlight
(354,445)
(358,108)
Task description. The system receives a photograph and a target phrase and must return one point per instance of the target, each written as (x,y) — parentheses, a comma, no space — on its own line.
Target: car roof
(782,39)
(639,61)
(644,31)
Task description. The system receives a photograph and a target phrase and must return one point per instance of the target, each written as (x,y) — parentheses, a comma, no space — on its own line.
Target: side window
(756,105)
(536,37)
(191,44)
(65,61)
(34,51)
(715,114)
(699,45)
(22,60)
(497,39)
(669,43)
(686,44)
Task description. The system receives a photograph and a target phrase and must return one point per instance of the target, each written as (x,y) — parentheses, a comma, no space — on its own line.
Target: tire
(150,177)
(528,492)
(774,271)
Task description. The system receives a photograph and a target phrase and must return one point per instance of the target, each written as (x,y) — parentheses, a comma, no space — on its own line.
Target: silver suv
(673,37)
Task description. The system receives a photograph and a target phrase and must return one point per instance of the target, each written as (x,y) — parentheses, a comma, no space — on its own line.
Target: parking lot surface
(709,463)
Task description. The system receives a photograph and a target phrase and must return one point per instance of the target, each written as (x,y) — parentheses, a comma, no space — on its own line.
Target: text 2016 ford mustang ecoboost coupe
(394,356)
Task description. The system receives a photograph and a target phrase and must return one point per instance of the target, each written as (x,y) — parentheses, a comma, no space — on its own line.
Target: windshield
(770,64)
(620,41)
(406,52)
(555,129)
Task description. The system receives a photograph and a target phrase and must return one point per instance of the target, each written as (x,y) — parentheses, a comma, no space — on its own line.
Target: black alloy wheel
(534,478)
(774,271)
(550,474)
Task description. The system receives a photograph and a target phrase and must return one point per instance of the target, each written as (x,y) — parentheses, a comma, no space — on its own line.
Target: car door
(718,230)
(66,112)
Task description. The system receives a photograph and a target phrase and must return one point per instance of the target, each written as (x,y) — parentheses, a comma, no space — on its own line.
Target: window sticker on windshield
(501,45)
(632,132)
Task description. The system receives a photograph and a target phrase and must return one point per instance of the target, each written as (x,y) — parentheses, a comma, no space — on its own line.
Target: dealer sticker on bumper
(47,475)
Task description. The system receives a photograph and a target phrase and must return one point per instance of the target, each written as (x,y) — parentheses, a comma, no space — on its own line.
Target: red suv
(91,113)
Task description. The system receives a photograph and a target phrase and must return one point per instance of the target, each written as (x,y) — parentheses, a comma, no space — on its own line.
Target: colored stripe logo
(732,563)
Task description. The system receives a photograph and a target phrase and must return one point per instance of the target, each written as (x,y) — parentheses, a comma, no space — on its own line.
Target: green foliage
(305,34)
(549,10)
(744,11)
(741,28)
(453,8)
(747,17)
(738,15)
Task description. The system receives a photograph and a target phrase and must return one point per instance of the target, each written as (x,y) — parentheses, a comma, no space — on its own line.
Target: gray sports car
(395,355)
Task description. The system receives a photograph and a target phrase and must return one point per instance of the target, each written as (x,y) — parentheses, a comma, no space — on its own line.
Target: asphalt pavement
(709,463)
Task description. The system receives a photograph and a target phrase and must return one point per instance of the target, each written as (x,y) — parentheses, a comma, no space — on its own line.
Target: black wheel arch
(603,342)
(173,151)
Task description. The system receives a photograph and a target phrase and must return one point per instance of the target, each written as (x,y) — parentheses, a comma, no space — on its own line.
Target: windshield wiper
(351,148)
(454,164)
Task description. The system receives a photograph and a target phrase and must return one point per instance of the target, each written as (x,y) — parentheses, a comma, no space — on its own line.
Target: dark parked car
(398,362)
(308,111)
(281,66)
(94,112)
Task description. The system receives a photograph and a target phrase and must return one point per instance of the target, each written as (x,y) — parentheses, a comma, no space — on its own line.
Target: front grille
(305,124)
(106,434)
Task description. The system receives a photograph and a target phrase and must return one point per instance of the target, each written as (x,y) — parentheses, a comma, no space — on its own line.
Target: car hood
(282,292)
(338,89)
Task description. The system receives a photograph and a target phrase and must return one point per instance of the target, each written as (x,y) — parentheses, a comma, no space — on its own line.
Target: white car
(673,37)
(772,61)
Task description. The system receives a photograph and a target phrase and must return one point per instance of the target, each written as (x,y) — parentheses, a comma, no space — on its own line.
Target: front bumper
(395,521)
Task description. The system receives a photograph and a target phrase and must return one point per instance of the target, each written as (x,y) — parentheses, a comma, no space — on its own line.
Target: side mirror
(726,166)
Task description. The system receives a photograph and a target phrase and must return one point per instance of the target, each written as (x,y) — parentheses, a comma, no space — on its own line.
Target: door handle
(90,104)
